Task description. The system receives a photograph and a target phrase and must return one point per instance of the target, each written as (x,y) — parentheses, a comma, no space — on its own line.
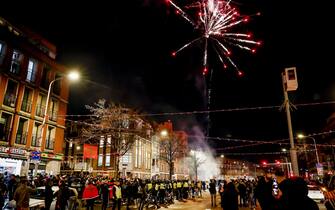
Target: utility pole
(289,81)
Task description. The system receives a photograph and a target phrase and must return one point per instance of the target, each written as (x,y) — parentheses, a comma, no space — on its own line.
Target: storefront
(52,162)
(13,160)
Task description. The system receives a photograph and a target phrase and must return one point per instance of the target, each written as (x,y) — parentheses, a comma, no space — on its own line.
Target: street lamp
(302,136)
(164,133)
(72,76)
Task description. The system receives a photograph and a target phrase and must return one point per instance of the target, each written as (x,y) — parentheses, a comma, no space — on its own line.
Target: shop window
(16,62)
(10,95)
(27,100)
(22,132)
(31,71)
(5,126)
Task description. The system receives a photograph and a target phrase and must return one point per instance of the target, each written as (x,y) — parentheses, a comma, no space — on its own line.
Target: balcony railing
(36,141)
(40,110)
(50,143)
(26,106)
(21,138)
(10,100)
(5,134)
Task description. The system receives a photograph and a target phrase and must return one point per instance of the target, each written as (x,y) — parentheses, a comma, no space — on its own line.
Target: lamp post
(301,136)
(73,75)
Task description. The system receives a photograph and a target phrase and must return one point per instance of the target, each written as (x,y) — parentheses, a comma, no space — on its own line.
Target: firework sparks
(217,21)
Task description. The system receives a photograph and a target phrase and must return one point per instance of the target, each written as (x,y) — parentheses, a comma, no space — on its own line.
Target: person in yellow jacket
(179,190)
(117,196)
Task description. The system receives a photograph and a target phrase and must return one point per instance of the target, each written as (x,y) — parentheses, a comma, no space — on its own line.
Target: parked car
(37,198)
(315,192)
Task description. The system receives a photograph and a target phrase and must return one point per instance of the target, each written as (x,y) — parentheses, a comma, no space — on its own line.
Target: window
(102,141)
(22,131)
(40,106)
(5,126)
(2,52)
(27,100)
(10,96)
(53,110)
(108,160)
(31,71)
(16,61)
(45,77)
(100,159)
(136,153)
(50,138)
(36,137)
(57,84)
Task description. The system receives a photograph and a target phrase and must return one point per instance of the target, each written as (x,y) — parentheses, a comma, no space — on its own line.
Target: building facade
(27,66)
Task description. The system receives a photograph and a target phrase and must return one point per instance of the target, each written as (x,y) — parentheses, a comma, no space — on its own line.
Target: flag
(90,151)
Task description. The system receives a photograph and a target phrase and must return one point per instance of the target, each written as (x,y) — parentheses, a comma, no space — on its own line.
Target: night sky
(123,51)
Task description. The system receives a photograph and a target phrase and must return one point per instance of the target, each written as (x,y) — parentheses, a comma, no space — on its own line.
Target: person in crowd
(293,195)
(73,200)
(63,195)
(12,185)
(90,194)
(22,194)
(104,195)
(49,194)
(3,192)
(212,191)
(117,196)
(263,192)
(229,199)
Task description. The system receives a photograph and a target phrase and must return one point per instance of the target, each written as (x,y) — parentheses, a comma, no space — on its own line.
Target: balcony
(35,141)
(40,110)
(10,100)
(5,135)
(26,106)
(21,138)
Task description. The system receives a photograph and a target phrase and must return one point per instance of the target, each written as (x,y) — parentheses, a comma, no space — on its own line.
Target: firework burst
(218,23)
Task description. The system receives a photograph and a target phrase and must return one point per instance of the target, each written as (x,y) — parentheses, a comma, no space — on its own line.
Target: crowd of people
(74,192)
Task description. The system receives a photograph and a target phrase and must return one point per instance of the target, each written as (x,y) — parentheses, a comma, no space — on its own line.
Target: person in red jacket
(90,194)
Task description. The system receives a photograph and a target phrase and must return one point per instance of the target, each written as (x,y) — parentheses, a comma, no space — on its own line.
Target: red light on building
(264,163)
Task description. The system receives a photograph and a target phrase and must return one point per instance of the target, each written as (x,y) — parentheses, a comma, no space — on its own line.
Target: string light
(212,111)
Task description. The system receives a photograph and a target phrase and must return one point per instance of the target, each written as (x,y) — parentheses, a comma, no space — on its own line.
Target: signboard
(35,155)
(90,151)
(52,156)
(319,168)
(12,150)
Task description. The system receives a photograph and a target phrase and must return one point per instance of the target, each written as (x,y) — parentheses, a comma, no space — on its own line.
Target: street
(198,204)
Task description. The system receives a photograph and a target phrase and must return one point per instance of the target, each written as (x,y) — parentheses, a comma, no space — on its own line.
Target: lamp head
(300,136)
(164,133)
(73,76)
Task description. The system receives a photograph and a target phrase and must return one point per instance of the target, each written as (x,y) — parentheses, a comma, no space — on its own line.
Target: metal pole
(45,117)
(293,151)
(316,150)
(287,167)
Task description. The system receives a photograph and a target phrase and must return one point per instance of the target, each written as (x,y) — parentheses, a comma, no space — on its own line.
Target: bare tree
(195,163)
(119,124)
(170,149)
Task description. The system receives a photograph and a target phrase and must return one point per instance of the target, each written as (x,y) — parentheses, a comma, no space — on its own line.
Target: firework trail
(218,23)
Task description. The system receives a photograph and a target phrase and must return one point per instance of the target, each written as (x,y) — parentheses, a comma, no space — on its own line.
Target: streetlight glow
(164,133)
(222,156)
(78,147)
(283,150)
(301,136)
(73,75)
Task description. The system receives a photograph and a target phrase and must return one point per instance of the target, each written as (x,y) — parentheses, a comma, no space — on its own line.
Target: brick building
(27,66)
